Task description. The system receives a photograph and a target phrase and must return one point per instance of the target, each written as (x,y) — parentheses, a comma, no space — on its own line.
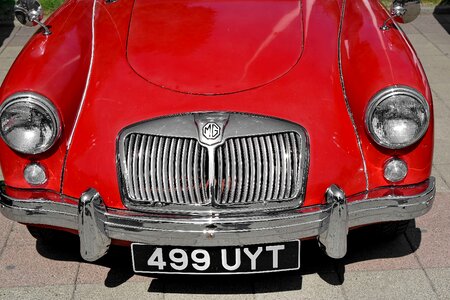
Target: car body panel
(94,111)
(64,59)
(293,97)
(373,59)
(211,48)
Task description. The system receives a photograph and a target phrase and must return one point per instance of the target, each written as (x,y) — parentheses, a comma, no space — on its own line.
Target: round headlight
(30,123)
(397,117)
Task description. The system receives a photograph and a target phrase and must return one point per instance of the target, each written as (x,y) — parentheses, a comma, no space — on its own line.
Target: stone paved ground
(413,266)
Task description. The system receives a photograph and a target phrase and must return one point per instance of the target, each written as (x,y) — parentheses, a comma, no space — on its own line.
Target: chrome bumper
(97,225)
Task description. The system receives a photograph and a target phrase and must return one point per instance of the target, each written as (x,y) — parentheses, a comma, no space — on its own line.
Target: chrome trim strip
(328,221)
(347,104)
(88,77)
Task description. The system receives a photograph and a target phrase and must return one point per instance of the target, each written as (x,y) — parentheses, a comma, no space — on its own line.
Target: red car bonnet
(206,49)
(310,94)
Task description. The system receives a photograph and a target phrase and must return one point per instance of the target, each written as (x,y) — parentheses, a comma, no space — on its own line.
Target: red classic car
(214,136)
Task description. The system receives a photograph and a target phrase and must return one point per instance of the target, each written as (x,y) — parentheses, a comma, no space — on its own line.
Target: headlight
(397,117)
(30,123)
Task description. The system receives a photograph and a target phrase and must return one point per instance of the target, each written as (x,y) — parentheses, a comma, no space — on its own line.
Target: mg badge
(211,131)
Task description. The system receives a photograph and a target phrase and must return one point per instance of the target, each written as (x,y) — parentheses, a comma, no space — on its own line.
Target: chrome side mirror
(403,11)
(30,13)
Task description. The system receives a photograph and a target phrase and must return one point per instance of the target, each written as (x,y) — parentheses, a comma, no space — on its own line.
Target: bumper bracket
(334,238)
(94,243)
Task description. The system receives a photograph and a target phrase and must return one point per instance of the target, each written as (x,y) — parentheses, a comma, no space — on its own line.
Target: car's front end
(197,132)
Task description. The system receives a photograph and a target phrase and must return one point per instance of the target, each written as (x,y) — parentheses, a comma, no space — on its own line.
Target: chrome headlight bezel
(39,102)
(386,94)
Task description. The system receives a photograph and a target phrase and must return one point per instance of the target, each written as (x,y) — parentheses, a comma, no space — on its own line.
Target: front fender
(372,59)
(55,66)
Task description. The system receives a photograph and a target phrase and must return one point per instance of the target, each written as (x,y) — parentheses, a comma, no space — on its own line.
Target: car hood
(310,95)
(202,47)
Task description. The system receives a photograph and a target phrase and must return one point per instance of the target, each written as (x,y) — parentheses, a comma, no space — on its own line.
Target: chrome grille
(259,169)
(165,170)
(176,164)
(248,169)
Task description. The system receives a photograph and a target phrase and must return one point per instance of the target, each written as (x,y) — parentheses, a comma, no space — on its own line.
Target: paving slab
(20,236)
(48,292)
(292,286)
(441,185)
(441,150)
(5,230)
(440,278)
(433,242)
(2,77)
(129,290)
(368,253)
(436,68)
(443,91)
(423,46)
(19,41)
(112,270)
(26,31)
(205,287)
(444,172)
(25,266)
(409,29)
(6,63)
(11,51)
(403,284)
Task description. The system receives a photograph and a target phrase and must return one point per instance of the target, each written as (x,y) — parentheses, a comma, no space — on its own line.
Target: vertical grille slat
(283,167)
(240,170)
(190,172)
(248,169)
(178,181)
(154,182)
(196,175)
(219,176)
(227,173)
(232,149)
(148,187)
(135,166)
(171,171)
(184,171)
(258,169)
(165,170)
(141,162)
(288,166)
(204,192)
(295,164)
(251,174)
(276,153)
(265,163)
(271,155)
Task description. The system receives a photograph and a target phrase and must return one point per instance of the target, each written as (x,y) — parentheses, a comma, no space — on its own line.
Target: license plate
(216,260)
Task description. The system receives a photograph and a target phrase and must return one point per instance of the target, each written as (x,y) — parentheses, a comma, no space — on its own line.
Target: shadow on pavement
(442,14)
(6,19)
(363,245)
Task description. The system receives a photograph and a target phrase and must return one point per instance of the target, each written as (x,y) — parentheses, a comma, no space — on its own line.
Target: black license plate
(216,260)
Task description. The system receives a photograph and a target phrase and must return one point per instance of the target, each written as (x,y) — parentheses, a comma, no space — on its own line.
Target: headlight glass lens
(29,123)
(397,117)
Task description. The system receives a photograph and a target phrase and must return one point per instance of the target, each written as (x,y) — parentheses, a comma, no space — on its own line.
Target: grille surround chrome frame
(233,125)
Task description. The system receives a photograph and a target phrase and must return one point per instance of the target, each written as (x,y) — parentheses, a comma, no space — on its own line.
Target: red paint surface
(214,47)
(310,94)
(54,66)
(373,59)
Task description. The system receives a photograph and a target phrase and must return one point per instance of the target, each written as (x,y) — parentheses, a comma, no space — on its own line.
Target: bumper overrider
(97,224)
